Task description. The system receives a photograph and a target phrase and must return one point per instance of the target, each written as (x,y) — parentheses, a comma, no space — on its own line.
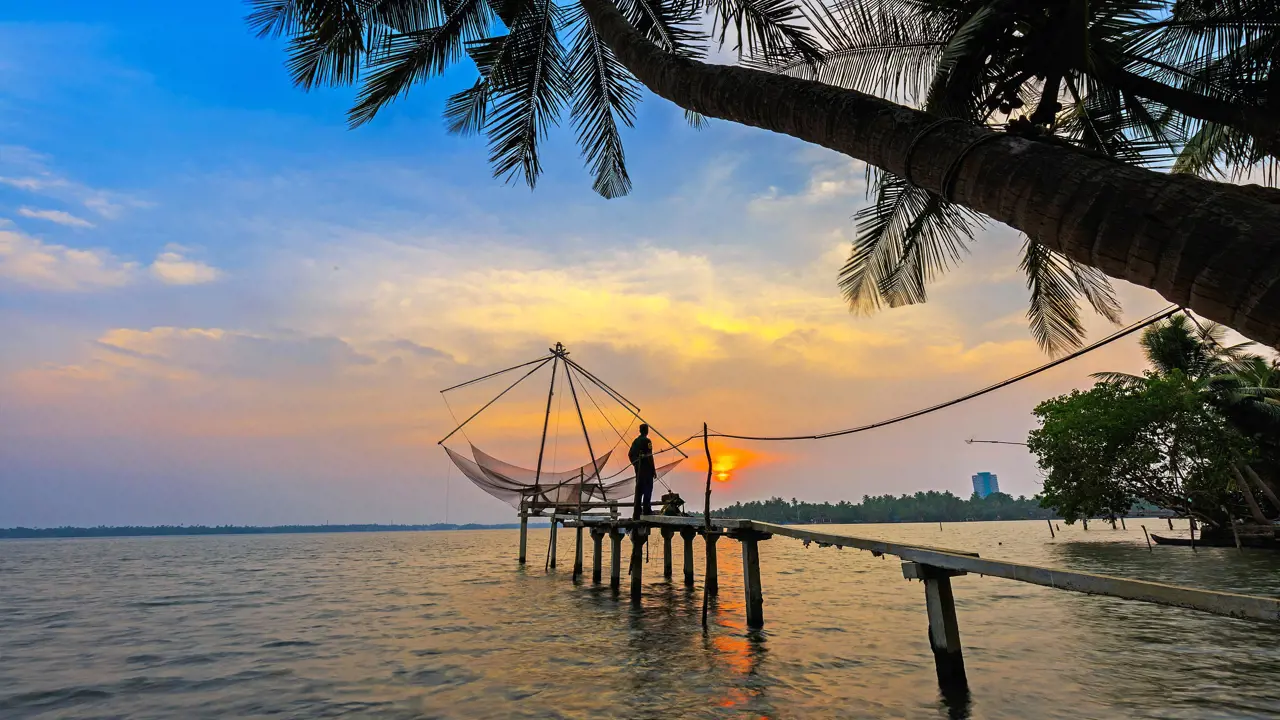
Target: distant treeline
(929,506)
(152,530)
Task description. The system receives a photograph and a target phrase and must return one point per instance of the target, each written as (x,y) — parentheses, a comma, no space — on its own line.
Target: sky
(218,304)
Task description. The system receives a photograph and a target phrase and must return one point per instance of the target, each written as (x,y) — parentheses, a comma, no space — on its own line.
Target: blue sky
(219,304)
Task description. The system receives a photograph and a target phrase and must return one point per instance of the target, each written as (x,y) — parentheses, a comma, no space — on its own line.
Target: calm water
(444,624)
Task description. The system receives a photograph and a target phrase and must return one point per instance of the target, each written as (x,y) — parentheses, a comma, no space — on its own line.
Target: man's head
(644,429)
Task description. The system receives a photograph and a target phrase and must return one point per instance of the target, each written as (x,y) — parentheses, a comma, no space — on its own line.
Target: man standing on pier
(641,456)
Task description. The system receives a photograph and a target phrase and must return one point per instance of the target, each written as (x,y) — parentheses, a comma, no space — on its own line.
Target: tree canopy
(1193,434)
(931,506)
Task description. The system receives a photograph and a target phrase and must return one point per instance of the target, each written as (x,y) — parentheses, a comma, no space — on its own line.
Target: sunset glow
(728,462)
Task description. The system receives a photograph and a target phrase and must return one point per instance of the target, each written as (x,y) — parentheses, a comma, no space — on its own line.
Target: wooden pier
(934,567)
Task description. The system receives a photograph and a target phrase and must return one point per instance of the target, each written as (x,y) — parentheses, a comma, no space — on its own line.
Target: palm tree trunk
(1211,247)
(1249,499)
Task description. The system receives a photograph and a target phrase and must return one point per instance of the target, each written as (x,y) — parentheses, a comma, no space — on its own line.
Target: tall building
(985,483)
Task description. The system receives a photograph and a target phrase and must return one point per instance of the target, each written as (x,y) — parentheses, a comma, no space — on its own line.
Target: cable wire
(1123,332)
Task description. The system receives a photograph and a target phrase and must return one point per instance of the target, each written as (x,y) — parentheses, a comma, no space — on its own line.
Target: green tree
(536,59)
(1239,385)
(1155,441)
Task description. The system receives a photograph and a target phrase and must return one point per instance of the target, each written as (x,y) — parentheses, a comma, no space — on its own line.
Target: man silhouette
(641,456)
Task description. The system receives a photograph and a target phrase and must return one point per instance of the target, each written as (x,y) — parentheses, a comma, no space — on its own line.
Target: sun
(723,466)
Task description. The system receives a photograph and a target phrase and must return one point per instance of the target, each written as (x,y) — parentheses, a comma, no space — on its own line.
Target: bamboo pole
(1148,537)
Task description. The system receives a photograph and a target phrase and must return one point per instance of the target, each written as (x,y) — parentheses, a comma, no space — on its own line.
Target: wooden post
(524,535)
(552,552)
(666,551)
(686,534)
(597,542)
(577,553)
(1051,535)
(638,537)
(1170,522)
(1086,524)
(1148,537)
(751,579)
(1122,527)
(944,629)
(615,564)
(712,585)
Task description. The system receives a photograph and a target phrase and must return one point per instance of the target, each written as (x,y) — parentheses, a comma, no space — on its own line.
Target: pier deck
(933,566)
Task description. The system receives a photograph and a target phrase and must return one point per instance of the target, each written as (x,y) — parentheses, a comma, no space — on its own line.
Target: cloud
(27,170)
(214,352)
(31,262)
(172,267)
(55,216)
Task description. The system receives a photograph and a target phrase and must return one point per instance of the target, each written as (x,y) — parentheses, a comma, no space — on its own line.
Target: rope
(911,149)
(949,177)
(455,418)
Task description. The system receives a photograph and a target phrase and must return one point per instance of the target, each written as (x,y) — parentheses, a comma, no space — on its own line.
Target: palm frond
(604,94)
(765,28)
(273,18)
(466,111)
(535,87)
(669,24)
(696,120)
(1057,285)
(1118,378)
(403,59)
(960,70)
(905,239)
(327,38)
(880,47)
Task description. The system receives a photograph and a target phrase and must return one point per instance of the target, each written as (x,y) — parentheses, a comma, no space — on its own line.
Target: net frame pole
(622,401)
(546,420)
(595,466)
(495,374)
(494,400)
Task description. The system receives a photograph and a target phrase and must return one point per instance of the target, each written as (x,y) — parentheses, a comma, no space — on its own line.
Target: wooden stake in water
(1148,537)
(1122,527)
(1051,535)
(706,517)
(1234,532)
